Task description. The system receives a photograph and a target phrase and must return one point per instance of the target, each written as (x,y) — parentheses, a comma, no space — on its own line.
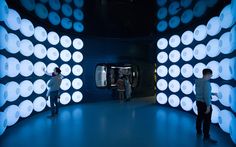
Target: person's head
(57,71)
(207,73)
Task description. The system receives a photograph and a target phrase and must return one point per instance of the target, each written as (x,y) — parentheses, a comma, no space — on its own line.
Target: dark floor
(138,123)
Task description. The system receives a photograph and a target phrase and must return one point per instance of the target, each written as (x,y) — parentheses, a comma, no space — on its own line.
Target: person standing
(128,89)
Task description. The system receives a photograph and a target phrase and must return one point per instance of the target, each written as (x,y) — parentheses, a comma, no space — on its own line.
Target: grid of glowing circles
(77,96)
(173,100)
(77,70)
(174,86)
(186,104)
(65,84)
(162,84)
(212,48)
(162,43)
(161,98)
(162,57)
(162,71)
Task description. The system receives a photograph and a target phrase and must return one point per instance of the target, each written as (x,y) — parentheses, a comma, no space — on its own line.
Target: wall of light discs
(25,50)
(181,58)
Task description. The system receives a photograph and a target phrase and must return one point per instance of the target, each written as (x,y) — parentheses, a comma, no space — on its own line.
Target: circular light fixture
(65,55)
(26,108)
(174,8)
(77,57)
(225,118)
(77,83)
(41,11)
(77,70)
(65,84)
(13,20)
(162,71)
(162,57)
(39,104)
(2,94)
(26,47)
(12,91)
(54,18)
(28,4)
(162,43)
(40,51)
(26,88)
(174,71)
(78,27)
(66,9)
(187,16)
(226,17)
(187,54)
(174,22)
(185,3)
(173,100)
(186,104)
(13,114)
(26,68)
(199,9)
(79,3)
(27,28)
(225,71)
(39,86)
(199,51)
(212,48)
(52,54)
(200,33)
(66,23)
(213,26)
(174,56)
(77,96)
(162,84)
(161,98)
(12,67)
(65,98)
(187,37)
(3,120)
(232,37)
(39,68)
(65,41)
(3,66)
(53,38)
(78,43)
(51,67)
(13,43)
(197,70)
(65,69)
(225,44)
(78,14)
(174,41)
(174,86)
(162,26)
(4,11)
(3,37)
(214,66)
(55,4)
(162,13)
(232,129)
(40,34)
(225,94)
(187,70)
(186,87)
(161,2)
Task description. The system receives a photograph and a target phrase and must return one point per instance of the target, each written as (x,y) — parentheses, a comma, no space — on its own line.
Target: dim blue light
(55,4)
(3,122)
(162,13)
(54,18)
(78,27)
(161,2)
(185,3)
(187,16)
(225,118)
(79,3)
(66,23)
(174,8)
(41,11)
(211,3)
(199,9)
(13,20)
(28,4)
(174,22)
(78,14)
(66,10)
(162,26)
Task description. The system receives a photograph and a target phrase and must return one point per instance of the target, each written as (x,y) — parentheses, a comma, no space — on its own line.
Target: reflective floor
(137,123)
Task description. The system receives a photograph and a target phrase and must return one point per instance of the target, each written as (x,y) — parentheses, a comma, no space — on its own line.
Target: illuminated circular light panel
(41,11)
(162,84)
(225,118)
(199,9)
(4,11)
(195,107)
(40,34)
(27,28)
(173,100)
(26,88)
(186,87)
(78,43)
(162,71)
(79,3)
(162,57)
(225,71)
(174,71)
(3,121)
(13,114)
(12,91)
(214,66)
(54,18)
(65,55)
(162,26)
(13,20)
(187,16)
(66,10)
(53,38)
(65,84)
(66,23)
(52,53)
(3,65)
(77,83)
(28,4)
(12,67)
(162,43)
(77,57)
(187,37)
(174,86)
(39,68)
(161,98)
(233,7)
(200,33)
(212,48)
(78,14)
(65,41)
(40,51)
(39,104)
(13,43)
(187,54)
(26,68)
(213,26)
(197,70)
(51,67)
(39,86)
(174,56)
(225,94)
(55,4)
(65,69)
(232,37)
(185,3)
(3,37)
(162,13)
(174,8)
(232,129)
(26,108)
(2,95)
(199,51)
(77,96)
(174,41)
(77,70)
(186,104)
(215,114)
(161,2)
(26,47)
(214,89)
(233,67)
(226,17)
(225,44)
(187,70)
(65,98)
(174,22)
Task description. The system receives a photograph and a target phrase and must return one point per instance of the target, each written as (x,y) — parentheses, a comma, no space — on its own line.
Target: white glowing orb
(174,86)
(13,20)
(161,98)
(2,95)
(65,84)
(162,26)
(3,121)
(162,57)
(225,44)
(162,84)
(186,104)
(161,2)
(195,107)
(187,37)
(4,11)
(233,8)
(199,8)
(174,22)
(65,69)
(173,100)
(40,51)
(232,129)
(162,71)
(3,66)
(39,68)
(65,41)
(26,88)
(214,66)
(66,10)
(27,28)
(66,23)
(52,54)
(40,34)
(51,67)
(78,14)
(162,43)
(77,70)
(41,11)
(77,83)
(213,26)
(215,114)
(187,54)
(187,70)
(226,17)
(54,4)
(28,4)
(65,98)
(26,108)
(13,43)
(26,47)
(13,114)
(77,57)
(12,91)
(232,37)
(174,71)
(174,56)
(197,70)
(225,118)
(225,94)
(77,96)
(187,16)
(199,51)
(39,86)
(225,71)
(26,68)
(174,41)
(65,55)
(53,38)
(200,33)
(78,43)
(214,89)
(3,38)
(186,87)
(39,104)
(12,67)
(162,13)
(78,27)
(233,67)
(54,18)
(212,48)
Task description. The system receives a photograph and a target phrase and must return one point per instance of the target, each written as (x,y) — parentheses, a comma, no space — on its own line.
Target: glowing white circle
(162,84)
(27,28)
(13,20)
(3,37)
(186,104)
(65,41)
(65,55)
(3,121)
(174,71)
(187,54)
(39,86)
(26,88)
(173,100)
(3,66)
(77,83)
(13,43)
(162,71)
(13,114)
(40,51)
(4,11)
(212,48)
(26,68)
(215,114)
(65,98)
(26,108)
(12,67)
(77,70)
(53,38)
(161,98)
(39,104)
(39,68)
(78,43)
(162,43)
(186,87)
(12,91)
(65,69)
(52,54)
(77,57)
(187,37)
(40,34)
(225,44)
(174,41)
(226,17)
(77,96)
(200,33)
(51,67)
(174,56)
(187,70)
(197,70)
(225,94)
(214,66)
(65,84)
(225,118)
(174,86)
(162,57)
(225,71)
(199,51)
(2,95)
(213,26)
(26,47)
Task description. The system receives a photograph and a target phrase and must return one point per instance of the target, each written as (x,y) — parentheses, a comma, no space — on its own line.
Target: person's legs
(206,124)
(53,102)
(201,107)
